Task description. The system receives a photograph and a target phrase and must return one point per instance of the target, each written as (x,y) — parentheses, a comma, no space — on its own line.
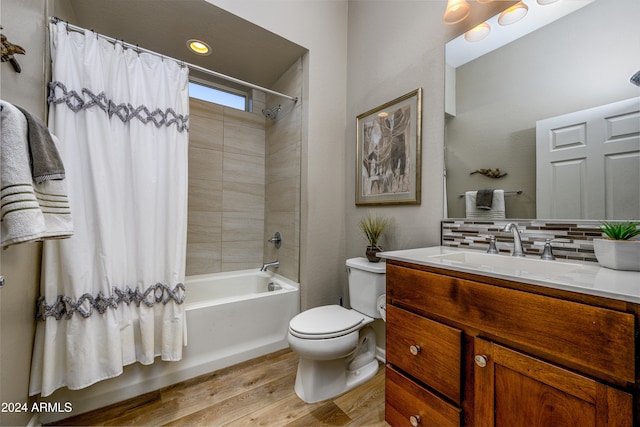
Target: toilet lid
(325,322)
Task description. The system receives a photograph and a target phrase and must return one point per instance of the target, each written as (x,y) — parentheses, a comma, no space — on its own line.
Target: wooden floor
(254,393)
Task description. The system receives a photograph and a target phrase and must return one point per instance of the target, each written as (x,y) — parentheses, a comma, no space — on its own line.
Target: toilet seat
(328,321)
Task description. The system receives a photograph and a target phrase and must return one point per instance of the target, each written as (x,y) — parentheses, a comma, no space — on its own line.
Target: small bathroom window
(226,97)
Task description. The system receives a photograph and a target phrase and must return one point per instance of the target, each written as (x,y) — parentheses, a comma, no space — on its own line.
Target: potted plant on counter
(619,250)
(372,227)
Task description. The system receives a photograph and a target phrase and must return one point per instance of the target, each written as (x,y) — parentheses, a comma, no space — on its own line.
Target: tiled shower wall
(283,168)
(570,239)
(244,183)
(226,189)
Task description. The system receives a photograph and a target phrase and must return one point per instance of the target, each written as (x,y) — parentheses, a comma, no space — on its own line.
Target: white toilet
(336,347)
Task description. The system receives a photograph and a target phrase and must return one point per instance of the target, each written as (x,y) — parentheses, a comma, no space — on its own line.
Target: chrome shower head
(271,113)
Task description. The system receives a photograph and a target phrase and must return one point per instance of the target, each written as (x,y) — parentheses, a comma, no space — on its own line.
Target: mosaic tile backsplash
(570,239)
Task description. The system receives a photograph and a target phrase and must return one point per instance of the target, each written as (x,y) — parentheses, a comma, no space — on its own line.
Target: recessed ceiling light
(477,33)
(513,14)
(198,47)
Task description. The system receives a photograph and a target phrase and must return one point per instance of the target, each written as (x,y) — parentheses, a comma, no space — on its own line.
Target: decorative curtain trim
(126,112)
(65,306)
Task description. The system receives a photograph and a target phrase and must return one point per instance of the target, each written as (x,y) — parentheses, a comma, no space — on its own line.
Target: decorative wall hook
(491,173)
(8,50)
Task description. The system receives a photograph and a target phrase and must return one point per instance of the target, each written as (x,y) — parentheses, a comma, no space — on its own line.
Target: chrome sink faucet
(517,241)
(266,265)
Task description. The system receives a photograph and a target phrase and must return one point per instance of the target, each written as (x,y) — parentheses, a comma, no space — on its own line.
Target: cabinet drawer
(594,339)
(427,350)
(405,399)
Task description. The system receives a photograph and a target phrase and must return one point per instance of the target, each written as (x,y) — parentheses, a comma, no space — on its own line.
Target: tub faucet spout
(517,241)
(273,264)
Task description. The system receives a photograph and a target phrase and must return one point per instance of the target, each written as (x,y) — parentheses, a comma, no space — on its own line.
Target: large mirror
(580,61)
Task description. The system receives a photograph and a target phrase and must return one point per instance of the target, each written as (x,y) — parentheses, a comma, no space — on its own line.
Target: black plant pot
(372,252)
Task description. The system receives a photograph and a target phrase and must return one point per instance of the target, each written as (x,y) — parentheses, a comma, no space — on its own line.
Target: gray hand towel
(46,163)
(484,199)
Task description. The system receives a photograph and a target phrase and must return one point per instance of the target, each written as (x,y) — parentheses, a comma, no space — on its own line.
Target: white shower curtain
(112,294)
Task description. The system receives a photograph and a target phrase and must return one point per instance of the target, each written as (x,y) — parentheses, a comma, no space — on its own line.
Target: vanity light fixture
(456,11)
(477,33)
(199,47)
(513,14)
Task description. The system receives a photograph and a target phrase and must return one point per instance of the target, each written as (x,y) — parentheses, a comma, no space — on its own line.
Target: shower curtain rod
(136,48)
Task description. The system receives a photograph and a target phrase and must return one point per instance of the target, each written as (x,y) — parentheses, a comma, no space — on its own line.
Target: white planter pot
(618,254)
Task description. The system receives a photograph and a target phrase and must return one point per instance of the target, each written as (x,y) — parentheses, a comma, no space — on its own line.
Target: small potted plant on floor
(372,227)
(619,251)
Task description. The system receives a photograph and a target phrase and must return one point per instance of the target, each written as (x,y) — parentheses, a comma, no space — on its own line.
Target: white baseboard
(381,354)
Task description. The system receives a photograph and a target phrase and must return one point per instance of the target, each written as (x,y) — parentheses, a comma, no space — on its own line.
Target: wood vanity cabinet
(465,349)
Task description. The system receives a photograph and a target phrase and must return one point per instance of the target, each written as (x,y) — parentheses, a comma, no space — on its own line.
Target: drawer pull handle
(481,360)
(414,420)
(415,349)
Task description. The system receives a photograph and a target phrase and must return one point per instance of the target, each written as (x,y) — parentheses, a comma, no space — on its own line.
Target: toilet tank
(366,284)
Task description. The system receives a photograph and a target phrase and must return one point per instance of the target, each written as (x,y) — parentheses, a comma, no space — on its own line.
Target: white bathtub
(231,317)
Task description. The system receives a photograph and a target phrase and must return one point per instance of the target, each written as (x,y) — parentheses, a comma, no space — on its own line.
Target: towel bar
(506,192)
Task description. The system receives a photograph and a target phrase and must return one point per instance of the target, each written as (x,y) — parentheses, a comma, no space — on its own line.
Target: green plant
(372,228)
(621,230)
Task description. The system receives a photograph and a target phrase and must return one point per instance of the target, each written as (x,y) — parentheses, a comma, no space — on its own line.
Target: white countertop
(575,276)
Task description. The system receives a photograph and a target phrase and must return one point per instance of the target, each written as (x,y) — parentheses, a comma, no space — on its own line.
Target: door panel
(531,402)
(592,159)
(514,389)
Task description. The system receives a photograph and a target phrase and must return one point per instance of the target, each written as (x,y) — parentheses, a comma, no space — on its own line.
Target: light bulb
(513,14)
(477,33)
(456,11)
(199,47)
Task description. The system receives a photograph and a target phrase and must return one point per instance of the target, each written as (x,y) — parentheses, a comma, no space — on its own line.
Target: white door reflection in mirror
(591,159)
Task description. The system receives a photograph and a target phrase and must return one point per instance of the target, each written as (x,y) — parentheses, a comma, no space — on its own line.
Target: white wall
(394,48)
(23,22)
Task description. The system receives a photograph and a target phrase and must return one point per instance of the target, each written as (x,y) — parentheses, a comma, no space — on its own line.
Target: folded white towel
(497,210)
(28,211)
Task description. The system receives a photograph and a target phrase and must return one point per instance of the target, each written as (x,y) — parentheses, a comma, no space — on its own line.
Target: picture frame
(388,152)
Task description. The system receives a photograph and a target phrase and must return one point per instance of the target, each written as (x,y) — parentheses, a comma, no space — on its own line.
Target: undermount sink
(493,262)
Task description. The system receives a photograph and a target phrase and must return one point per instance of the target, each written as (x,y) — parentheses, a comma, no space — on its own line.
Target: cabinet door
(513,389)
